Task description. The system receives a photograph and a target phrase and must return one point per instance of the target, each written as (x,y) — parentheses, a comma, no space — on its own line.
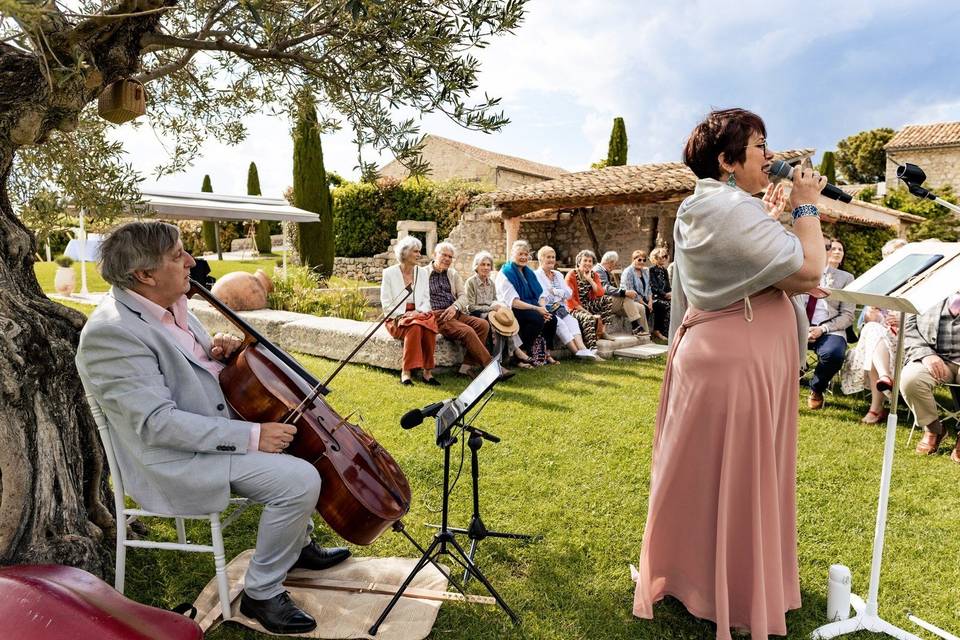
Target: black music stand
(451,417)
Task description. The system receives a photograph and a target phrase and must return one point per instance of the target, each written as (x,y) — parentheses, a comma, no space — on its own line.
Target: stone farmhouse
(617,208)
(935,148)
(451,159)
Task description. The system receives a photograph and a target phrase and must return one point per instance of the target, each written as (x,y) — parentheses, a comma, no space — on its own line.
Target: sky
(815,71)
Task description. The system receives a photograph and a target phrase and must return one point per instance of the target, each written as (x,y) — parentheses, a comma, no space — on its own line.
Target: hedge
(861,245)
(365,214)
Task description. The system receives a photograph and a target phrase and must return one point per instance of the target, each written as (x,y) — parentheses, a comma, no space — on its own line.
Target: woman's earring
(732,180)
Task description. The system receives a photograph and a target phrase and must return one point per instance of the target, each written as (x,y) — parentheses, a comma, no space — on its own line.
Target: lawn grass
(574,466)
(45,272)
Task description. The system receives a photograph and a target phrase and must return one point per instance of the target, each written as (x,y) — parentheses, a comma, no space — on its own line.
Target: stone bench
(335,338)
(332,338)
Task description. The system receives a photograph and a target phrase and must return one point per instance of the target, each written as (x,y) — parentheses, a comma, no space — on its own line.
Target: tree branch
(165,41)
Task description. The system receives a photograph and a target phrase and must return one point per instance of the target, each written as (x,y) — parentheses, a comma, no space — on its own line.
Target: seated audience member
(413,322)
(660,291)
(829,320)
(588,303)
(868,365)
(624,301)
(518,288)
(636,278)
(482,301)
(931,356)
(554,297)
(448,299)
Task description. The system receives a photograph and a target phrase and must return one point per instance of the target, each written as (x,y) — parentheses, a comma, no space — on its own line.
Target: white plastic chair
(126,516)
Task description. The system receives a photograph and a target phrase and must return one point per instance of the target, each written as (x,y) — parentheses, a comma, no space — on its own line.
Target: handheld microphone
(416,416)
(781,169)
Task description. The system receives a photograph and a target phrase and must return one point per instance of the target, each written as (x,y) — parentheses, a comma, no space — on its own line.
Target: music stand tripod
(477,530)
(449,420)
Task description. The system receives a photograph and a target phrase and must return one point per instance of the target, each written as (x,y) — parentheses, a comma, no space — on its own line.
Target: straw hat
(503,321)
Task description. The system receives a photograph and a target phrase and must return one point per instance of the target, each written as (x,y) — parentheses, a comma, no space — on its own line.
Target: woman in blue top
(518,288)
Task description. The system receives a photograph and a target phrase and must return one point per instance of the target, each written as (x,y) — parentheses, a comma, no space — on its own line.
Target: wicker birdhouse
(122,101)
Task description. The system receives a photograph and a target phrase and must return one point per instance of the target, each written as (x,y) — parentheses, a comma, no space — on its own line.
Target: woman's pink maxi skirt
(721,533)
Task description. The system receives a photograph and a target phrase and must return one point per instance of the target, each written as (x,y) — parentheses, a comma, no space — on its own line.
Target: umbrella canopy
(212,206)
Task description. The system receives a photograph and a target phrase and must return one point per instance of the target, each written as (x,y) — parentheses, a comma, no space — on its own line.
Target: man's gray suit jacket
(171,427)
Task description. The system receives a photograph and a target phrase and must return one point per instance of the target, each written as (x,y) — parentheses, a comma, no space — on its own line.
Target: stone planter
(64,280)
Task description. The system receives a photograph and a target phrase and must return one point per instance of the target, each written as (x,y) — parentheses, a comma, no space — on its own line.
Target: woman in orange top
(589,305)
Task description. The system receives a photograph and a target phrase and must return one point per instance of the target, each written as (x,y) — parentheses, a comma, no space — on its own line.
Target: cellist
(154,370)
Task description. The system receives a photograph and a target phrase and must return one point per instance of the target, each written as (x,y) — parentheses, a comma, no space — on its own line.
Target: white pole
(83,257)
(931,628)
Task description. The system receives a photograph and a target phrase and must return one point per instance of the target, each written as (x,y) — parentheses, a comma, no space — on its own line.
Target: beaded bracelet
(804,211)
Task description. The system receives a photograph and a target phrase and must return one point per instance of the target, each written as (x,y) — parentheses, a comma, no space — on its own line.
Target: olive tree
(373,66)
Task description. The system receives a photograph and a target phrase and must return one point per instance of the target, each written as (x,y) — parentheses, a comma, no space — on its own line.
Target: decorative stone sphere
(242,291)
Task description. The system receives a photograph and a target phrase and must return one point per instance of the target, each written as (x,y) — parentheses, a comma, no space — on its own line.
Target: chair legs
(181,531)
(121,564)
(220,564)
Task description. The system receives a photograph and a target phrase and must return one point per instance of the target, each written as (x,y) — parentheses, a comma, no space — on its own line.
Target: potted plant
(64,280)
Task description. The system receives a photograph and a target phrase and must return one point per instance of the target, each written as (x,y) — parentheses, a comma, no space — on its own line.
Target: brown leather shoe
(929,443)
(815,401)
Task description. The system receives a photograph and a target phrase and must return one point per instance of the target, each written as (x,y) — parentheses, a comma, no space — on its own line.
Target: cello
(363,491)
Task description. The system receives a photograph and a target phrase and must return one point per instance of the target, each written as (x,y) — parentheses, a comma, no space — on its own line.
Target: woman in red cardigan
(589,305)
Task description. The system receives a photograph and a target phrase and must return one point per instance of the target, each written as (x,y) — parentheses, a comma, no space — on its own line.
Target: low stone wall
(331,338)
(367,269)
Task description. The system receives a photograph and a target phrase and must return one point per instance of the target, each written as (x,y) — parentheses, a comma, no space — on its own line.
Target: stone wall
(476,232)
(942,166)
(446,162)
(368,269)
(507,179)
(620,228)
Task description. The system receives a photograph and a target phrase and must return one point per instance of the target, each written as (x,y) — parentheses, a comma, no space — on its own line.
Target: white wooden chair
(125,516)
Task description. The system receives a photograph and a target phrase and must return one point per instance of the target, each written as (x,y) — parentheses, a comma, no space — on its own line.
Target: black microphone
(781,169)
(415,416)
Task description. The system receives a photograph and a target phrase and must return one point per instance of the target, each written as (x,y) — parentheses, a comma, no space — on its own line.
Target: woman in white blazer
(413,322)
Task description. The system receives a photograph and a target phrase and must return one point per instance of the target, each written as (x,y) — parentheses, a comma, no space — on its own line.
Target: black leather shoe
(315,557)
(278,614)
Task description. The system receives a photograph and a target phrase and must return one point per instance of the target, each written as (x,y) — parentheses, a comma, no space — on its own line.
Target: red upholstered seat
(54,602)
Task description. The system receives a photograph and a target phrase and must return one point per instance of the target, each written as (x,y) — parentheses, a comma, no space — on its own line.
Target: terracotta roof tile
(502,160)
(940,134)
(638,183)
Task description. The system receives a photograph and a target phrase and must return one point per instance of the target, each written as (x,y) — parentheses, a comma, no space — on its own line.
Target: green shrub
(301,290)
(191,234)
(365,214)
(940,223)
(861,245)
(64,261)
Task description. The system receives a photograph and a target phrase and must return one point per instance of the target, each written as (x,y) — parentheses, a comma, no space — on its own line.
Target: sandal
(884,383)
(880,416)
(552,360)
(525,364)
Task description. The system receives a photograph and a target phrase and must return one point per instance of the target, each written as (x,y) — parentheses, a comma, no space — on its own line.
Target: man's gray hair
(135,246)
(891,246)
(518,245)
(583,254)
(610,256)
(480,257)
(406,244)
(445,245)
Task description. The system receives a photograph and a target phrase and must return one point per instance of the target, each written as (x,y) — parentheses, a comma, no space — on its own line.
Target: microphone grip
(835,193)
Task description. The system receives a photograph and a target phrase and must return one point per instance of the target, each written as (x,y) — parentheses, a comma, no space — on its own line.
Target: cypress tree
(828,167)
(209,226)
(617,151)
(262,232)
(311,191)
